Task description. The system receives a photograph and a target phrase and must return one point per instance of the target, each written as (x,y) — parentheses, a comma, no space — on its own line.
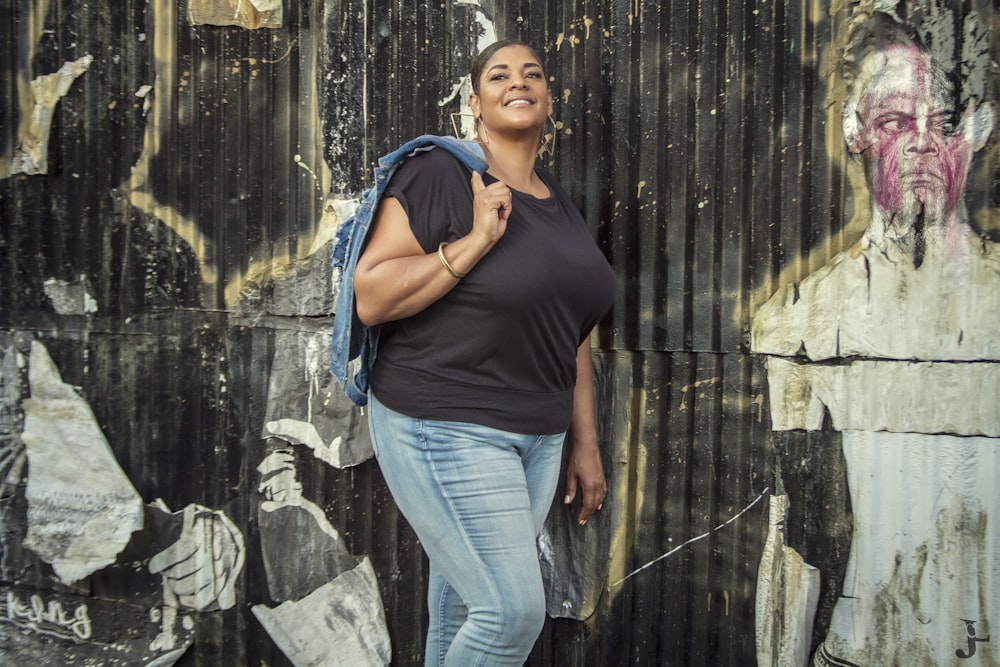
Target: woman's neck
(513,162)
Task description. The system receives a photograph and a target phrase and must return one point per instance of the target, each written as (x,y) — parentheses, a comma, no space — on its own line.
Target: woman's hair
(484,57)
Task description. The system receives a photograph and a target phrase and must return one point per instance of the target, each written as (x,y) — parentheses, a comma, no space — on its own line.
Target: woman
(486,288)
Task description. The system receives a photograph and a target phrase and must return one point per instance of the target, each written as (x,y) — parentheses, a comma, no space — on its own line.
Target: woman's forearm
(584,423)
(400,287)
(395,278)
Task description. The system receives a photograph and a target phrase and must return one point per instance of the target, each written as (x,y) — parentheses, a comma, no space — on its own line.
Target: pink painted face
(915,156)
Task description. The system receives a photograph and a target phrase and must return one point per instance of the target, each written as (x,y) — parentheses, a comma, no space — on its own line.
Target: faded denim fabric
(477,498)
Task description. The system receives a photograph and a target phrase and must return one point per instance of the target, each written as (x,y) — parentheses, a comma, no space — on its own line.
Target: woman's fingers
(491,206)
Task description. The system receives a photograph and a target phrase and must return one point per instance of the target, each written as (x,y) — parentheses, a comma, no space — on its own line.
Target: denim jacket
(352,339)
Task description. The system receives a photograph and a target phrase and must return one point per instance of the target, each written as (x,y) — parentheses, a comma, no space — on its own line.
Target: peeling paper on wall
(486,34)
(70,298)
(341,623)
(787,595)
(252,14)
(926,397)
(286,517)
(335,211)
(305,406)
(31,154)
(82,509)
(862,304)
(303,433)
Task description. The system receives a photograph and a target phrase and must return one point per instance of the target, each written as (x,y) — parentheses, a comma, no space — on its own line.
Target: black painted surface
(693,139)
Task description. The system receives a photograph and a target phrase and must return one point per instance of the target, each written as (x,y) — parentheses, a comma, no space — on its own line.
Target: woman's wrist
(446,264)
(463,254)
(583,443)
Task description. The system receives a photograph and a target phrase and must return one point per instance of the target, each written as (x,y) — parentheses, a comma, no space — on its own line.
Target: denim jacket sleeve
(354,346)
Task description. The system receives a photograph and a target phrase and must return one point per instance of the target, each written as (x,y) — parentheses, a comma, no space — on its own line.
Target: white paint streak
(691,541)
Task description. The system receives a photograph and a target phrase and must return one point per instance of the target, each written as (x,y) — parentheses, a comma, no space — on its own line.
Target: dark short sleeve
(434,190)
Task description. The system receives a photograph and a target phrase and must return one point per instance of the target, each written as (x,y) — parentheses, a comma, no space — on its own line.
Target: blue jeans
(477,498)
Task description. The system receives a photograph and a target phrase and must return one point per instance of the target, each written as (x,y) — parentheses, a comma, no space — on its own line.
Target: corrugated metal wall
(193,168)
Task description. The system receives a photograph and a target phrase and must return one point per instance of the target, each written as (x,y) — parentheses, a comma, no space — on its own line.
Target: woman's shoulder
(433,158)
(435,168)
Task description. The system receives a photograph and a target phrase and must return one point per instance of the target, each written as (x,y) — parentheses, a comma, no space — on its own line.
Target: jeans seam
(439,649)
(440,643)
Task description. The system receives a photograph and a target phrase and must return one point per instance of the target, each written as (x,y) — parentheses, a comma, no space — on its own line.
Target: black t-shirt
(500,348)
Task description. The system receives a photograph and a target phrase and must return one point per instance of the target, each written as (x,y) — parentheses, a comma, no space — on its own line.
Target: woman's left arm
(585,471)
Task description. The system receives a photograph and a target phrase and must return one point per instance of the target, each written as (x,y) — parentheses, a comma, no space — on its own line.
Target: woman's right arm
(395,278)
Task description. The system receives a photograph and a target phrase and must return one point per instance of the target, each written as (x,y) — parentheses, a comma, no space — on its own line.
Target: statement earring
(548,145)
(486,133)
(463,115)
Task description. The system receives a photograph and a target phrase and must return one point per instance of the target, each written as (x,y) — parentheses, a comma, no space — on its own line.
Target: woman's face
(513,93)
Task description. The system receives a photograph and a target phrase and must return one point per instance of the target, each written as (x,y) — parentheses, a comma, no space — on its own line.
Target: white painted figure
(896,340)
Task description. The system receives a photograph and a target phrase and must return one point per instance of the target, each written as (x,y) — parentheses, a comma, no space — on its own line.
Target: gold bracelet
(445,264)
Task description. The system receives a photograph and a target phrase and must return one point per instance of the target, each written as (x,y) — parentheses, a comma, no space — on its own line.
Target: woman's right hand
(396,278)
(491,205)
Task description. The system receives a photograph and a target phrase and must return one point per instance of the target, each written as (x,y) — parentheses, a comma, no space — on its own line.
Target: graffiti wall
(908,308)
(796,386)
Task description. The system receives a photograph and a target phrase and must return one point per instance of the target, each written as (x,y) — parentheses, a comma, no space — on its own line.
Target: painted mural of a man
(908,316)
